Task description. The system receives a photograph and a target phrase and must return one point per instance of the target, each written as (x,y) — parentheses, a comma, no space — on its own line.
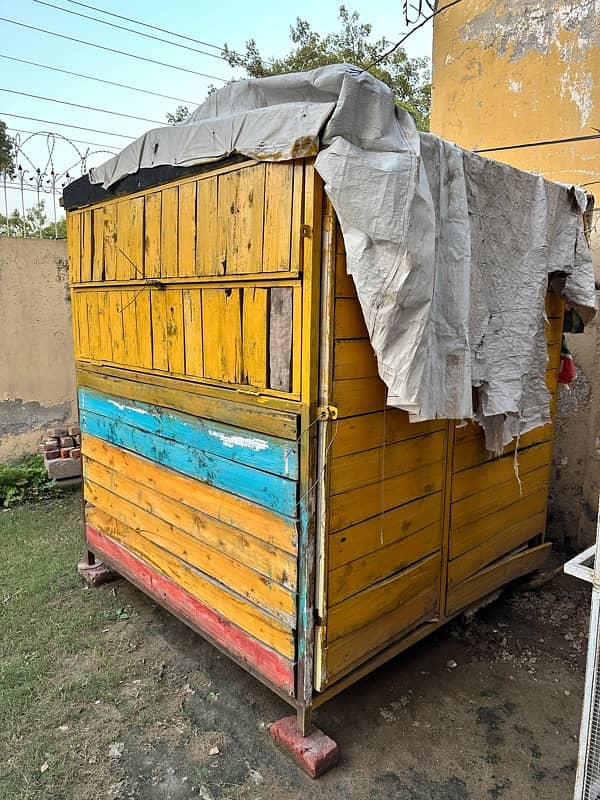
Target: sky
(230,21)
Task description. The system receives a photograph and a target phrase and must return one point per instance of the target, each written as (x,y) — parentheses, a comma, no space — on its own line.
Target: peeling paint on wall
(17,417)
(579,87)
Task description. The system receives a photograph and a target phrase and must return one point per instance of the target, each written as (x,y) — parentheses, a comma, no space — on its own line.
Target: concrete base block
(60,468)
(95,574)
(315,753)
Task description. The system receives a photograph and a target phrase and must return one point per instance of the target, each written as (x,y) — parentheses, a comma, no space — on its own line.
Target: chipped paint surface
(239,441)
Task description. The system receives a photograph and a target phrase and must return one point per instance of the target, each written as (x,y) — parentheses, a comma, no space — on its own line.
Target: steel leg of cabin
(93,572)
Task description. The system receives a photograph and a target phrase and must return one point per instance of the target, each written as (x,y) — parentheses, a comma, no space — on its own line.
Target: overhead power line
(61,136)
(130,30)
(99,80)
(540,144)
(112,50)
(155,28)
(66,125)
(79,105)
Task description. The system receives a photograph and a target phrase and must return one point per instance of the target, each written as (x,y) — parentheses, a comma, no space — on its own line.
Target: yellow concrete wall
(507,72)
(37,380)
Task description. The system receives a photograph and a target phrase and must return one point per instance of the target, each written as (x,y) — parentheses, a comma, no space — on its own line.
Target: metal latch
(327,412)
(305,231)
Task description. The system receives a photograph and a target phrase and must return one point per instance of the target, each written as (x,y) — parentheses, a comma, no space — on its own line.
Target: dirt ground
(137,706)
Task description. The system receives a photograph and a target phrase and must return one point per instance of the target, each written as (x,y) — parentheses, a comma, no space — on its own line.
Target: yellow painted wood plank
(144,328)
(87,239)
(79,302)
(296,257)
(74,245)
(208,255)
(471,452)
(350,651)
(370,466)
(349,320)
(169,232)
(476,506)
(197,399)
(95,347)
(130,239)
(355,434)
(369,605)
(175,330)
(116,326)
(158,310)
(75,327)
(241,198)
(359,396)
(192,325)
(555,306)
(381,563)
(554,354)
(233,511)
(297,340)
(254,335)
(473,534)
(152,240)
(495,576)
(499,470)
(232,607)
(344,283)
(264,592)
(279,182)
(222,334)
(354,358)
(130,332)
(110,242)
(187,230)
(104,322)
(351,507)
(384,530)
(98,244)
(504,541)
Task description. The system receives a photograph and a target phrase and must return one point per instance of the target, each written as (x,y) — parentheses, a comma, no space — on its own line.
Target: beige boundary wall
(37,380)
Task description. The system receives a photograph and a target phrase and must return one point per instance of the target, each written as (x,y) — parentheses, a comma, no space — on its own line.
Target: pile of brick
(61,448)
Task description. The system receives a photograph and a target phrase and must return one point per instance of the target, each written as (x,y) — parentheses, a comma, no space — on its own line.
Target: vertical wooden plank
(104,322)
(241,219)
(280,338)
(95,350)
(130,334)
(222,334)
(187,230)
(208,261)
(254,336)
(175,330)
(74,236)
(160,352)
(144,331)
(297,340)
(116,325)
(152,226)
(297,216)
(110,241)
(228,217)
(123,269)
(192,324)
(79,302)
(98,244)
(279,181)
(74,318)
(86,245)
(130,239)
(169,224)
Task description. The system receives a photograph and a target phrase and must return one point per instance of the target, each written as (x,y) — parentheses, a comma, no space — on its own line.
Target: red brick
(74,430)
(56,432)
(95,574)
(50,444)
(65,452)
(51,454)
(77,439)
(75,452)
(66,441)
(315,753)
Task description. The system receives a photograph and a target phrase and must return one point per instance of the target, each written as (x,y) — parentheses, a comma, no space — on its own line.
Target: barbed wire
(413,10)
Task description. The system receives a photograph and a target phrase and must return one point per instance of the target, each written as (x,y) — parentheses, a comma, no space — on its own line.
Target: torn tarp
(450,252)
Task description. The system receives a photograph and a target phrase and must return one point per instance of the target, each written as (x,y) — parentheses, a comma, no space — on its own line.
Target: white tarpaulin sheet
(450,252)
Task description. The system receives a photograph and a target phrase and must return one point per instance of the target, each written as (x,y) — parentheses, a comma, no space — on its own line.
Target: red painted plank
(270,665)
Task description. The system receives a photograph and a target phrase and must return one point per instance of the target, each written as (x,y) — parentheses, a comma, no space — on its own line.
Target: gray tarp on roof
(450,252)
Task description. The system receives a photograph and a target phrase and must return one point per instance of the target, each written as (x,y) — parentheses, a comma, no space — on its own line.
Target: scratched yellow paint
(186,259)
(152,251)
(192,324)
(255,336)
(208,254)
(222,334)
(169,234)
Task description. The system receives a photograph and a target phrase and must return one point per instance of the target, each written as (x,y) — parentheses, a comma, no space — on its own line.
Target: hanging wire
(413,10)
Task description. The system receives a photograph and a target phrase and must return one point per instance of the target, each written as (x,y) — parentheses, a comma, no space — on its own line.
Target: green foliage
(23,481)
(7,163)
(181,112)
(34,224)
(408,78)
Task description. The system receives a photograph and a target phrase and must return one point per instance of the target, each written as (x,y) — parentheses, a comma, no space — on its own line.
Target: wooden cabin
(240,464)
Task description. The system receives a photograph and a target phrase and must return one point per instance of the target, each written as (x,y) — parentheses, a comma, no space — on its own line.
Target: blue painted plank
(272,491)
(257,450)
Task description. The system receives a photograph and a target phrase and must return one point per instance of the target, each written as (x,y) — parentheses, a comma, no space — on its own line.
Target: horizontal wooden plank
(349,322)
(353,506)
(482,528)
(491,549)
(499,470)
(495,576)
(354,358)
(345,653)
(370,466)
(229,606)
(275,530)
(383,562)
(359,541)
(473,508)
(344,283)
(264,592)
(359,396)
(256,450)
(234,408)
(278,494)
(367,431)
(469,452)
(384,597)
(262,557)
